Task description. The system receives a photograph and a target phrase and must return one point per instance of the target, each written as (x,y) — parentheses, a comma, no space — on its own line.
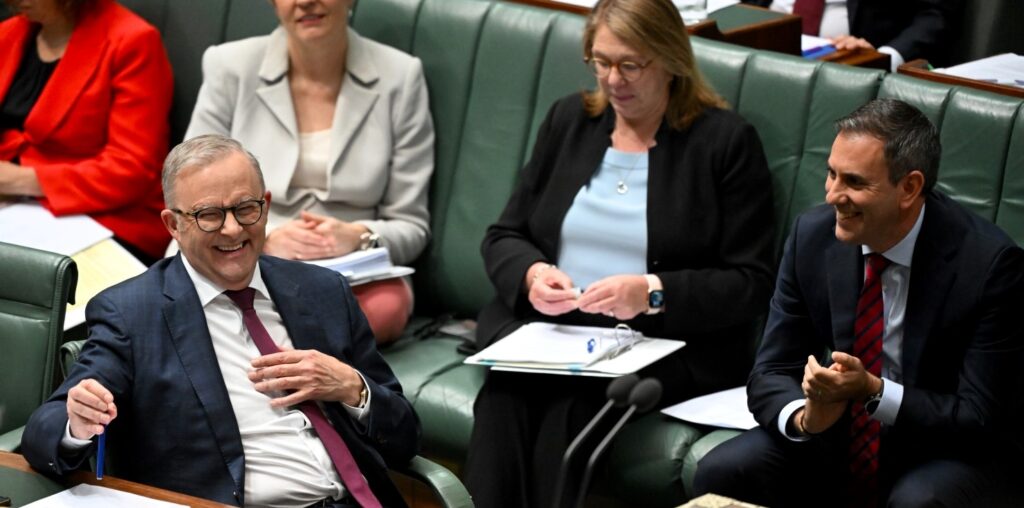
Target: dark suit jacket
(149,344)
(710,229)
(963,338)
(97,136)
(915,28)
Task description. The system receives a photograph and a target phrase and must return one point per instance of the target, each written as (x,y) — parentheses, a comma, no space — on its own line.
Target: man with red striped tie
(890,369)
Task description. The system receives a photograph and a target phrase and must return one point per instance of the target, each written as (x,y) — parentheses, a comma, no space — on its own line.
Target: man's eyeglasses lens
(212,219)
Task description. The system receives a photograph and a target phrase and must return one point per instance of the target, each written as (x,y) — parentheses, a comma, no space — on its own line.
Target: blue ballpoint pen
(102,446)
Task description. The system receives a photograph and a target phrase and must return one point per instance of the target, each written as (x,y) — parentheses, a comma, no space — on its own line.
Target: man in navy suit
(890,368)
(175,372)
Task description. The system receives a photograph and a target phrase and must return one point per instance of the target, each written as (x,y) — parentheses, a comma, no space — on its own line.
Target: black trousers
(762,468)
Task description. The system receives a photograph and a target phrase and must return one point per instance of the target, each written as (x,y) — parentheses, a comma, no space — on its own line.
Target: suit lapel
(302,326)
(190,335)
(85,52)
(931,278)
(845,278)
(356,98)
(276,96)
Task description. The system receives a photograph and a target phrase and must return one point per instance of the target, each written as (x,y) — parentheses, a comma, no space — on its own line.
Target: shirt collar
(903,252)
(207,290)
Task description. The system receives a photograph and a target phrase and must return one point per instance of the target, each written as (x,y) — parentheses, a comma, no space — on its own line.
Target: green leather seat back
(34,289)
(246,18)
(188,27)
(493,70)
(792,102)
(1010,215)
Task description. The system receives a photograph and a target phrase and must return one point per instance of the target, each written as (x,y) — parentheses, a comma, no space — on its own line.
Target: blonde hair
(654,27)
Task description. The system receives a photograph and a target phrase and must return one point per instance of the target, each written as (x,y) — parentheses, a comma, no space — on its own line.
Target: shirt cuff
(72,443)
(895,58)
(889,405)
(785,415)
(360,413)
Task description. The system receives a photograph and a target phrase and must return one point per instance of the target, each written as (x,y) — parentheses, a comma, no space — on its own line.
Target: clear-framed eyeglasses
(211,218)
(629,70)
(616,341)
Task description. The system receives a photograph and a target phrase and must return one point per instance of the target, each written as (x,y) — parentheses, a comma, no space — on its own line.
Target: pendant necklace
(621,186)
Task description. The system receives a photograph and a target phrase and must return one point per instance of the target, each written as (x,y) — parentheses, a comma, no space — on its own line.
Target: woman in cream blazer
(342,129)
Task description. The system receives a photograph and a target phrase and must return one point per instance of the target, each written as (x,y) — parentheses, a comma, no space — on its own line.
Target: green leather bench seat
(493,69)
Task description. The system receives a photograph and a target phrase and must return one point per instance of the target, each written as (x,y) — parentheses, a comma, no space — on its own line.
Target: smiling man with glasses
(226,374)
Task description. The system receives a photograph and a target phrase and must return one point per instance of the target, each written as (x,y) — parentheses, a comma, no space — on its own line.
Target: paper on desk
(1004,69)
(715,5)
(727,408)
(99,267)
(94,496)
(31,225)
(813,42)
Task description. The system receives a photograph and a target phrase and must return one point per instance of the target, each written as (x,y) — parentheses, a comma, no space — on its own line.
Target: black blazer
(709,218)
(963,343)
(915,28)
(149,344)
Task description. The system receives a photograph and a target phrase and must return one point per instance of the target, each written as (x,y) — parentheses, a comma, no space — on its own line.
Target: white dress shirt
(895,287)
(286,464)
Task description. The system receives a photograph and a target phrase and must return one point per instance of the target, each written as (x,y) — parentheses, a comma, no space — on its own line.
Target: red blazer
(98,134)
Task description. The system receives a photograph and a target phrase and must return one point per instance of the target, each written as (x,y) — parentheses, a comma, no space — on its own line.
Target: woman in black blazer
(654,201)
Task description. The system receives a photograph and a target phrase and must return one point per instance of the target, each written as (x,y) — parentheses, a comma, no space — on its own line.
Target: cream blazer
(382,137)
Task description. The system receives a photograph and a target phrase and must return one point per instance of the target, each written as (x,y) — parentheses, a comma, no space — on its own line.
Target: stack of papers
(94,496)
(727,408)
(565,349)
(101,261)
(364,266)
(1004,69)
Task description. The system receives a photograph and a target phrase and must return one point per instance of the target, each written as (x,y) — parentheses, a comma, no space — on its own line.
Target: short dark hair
(911,140)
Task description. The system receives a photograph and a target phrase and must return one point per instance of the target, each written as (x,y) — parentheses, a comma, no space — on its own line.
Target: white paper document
(31,225)
(364,266)
(727,408)
(93,496)
(1004,69)
(580,350)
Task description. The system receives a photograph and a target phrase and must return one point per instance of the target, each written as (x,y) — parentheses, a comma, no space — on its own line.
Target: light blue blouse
(605,231)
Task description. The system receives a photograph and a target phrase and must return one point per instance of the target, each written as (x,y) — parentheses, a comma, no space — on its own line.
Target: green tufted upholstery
(493,69)
(35,287)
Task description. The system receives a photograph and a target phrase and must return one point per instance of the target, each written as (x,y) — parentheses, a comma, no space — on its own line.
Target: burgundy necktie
(810,11)
(864,432)
(336,448)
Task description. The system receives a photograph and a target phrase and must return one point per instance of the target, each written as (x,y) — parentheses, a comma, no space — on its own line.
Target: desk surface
(919,69)
(24,485)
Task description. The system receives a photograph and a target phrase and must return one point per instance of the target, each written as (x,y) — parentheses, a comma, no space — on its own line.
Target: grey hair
(911,140)
(201,151)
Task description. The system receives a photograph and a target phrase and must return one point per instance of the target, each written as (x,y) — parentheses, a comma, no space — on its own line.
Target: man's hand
(549,290)
(844,380)
(849,42)
(305,375)
(618,296)
(90,407)
(817,417)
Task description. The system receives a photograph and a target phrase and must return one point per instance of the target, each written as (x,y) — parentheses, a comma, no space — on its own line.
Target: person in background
(229,375)
(889,372)
(85,90)
(905,30)
(653,200)
(342,125)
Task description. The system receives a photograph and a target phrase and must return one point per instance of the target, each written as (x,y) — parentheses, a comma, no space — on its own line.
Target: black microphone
(618,393)
(642,398)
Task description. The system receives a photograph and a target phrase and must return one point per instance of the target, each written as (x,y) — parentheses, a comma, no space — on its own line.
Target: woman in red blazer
(85,89)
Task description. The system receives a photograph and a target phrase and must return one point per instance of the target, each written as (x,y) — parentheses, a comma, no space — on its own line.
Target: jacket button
(655,262)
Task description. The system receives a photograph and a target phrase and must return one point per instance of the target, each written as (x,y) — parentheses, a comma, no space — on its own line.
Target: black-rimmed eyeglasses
(211,218)
(630,71)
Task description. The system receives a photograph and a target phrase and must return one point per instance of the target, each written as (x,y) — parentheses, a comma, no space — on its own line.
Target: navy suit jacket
(149,344)
(963,338)
(915,28)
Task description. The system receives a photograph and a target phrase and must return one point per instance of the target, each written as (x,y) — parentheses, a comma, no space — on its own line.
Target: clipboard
(540,348)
